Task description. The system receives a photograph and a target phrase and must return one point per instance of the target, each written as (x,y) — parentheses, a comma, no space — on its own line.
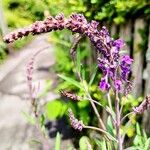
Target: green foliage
(58,141)
(3,53)
(129,102)
(71,81)
(102,144)
(84,143)
(109,126)
(55,109)
(141,141)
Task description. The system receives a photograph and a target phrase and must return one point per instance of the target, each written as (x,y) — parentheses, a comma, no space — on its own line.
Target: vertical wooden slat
(147,86)
(137,68)
(146,118)
(113,29)
(3,25)
(126,35)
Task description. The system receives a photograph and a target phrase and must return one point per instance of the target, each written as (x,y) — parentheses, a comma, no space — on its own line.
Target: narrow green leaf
(58,141)
(83,143)
(110,126)
(93,76)
(70,80)
(35,141)
(147,144)
(138,131)
(83,73)
(30,119)
(78,60)
(104,147)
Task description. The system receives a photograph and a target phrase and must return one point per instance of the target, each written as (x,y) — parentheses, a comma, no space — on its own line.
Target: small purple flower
(126,62)
(118,43)
(104,85)
(118,84)
(126,59)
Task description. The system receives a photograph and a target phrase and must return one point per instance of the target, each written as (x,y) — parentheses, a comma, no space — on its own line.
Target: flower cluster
(110,61)
(75,123)
(115,67)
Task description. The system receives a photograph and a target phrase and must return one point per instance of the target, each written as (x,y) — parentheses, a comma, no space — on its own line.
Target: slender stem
(89,97)
(127,124)
(110,106)
(90,100)
(100,130)
(118,122)
(109,101)
(94,101)
(95,109)
(126,116)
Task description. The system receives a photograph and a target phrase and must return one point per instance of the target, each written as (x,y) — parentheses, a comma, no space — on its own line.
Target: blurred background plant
(115,14)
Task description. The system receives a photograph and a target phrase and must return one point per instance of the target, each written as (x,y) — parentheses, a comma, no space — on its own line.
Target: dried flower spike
(75,123)
(143,106)
(69,95)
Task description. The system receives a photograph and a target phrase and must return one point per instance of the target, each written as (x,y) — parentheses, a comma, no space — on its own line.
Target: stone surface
(15,132)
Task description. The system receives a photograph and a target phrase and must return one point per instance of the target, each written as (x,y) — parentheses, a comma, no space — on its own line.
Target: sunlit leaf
(110,126)
(55,109)
(30,119)
(70,80)
(58,141)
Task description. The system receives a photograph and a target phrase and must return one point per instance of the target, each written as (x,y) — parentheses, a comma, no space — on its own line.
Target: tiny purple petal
(104,86)
(127,59)
(118,43)
(118,85)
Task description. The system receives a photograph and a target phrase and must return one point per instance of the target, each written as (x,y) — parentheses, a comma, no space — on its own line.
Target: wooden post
(137,69)
(2,20)
(4,28)
(113,30)
(146,118)
(126,35)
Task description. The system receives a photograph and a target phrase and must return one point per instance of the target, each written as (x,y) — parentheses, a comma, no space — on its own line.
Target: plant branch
(118,122)
(100,130)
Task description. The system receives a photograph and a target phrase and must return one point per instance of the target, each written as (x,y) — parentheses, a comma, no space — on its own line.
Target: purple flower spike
(104,85)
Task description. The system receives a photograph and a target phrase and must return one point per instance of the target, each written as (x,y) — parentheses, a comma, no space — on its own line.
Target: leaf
(138,131)
(144,135)
(84,116)
(83,143)
(78,61)
(34,141)
(55,109)
(30,119)
(58,141)
(109,126)
(42,119)
(104,146)
(83,73)
(93,76)
(70,80)
(147,144)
